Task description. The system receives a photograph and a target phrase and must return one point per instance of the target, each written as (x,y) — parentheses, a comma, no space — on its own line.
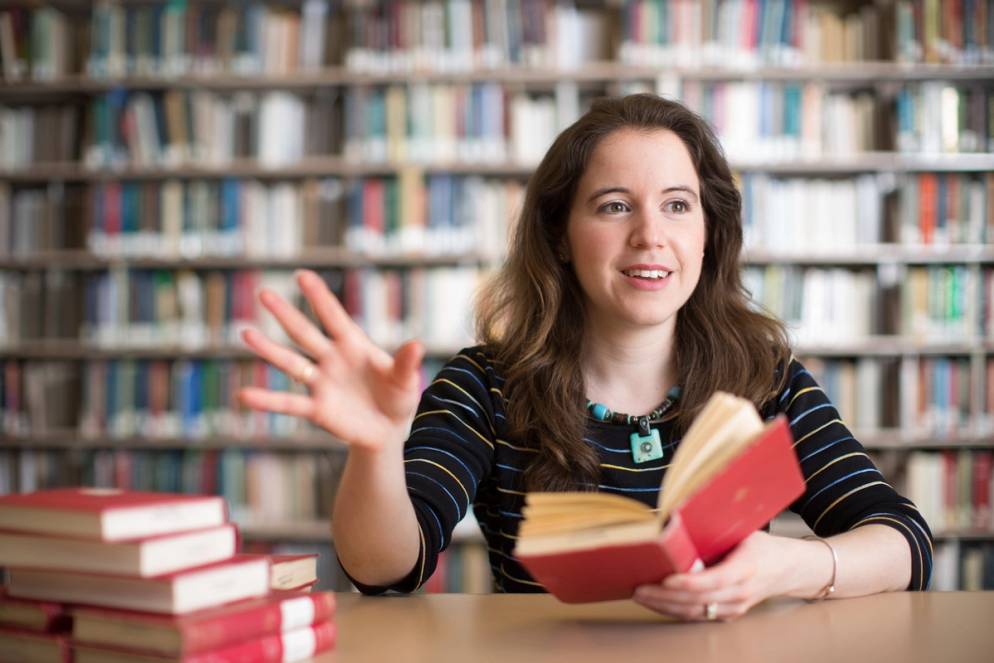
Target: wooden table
(936,627)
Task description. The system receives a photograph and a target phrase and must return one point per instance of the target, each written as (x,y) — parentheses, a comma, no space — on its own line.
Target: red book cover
(22,645)
(949,499)
(741,498)
(145,557)
(33,615)
(286,647)
(109,514)
(927,203)
(186,591)
(203,630)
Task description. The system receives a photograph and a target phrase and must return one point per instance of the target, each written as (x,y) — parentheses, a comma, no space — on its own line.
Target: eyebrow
(620,189)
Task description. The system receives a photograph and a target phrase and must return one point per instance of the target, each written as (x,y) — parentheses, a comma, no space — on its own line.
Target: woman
(622,288)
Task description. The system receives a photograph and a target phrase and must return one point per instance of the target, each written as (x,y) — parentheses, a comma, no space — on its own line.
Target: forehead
(640,157)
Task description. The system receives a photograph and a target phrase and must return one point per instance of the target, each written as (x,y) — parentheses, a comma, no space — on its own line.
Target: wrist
(816,568)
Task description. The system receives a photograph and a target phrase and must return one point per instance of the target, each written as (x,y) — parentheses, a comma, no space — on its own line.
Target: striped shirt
(459,456)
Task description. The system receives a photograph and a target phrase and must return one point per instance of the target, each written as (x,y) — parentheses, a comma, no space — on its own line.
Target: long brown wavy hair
(531,315)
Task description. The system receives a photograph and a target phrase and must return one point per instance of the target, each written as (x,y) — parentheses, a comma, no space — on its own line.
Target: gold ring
(710,611)
(306,374)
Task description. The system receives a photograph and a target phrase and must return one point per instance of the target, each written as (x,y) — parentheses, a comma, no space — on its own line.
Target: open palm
(357,392)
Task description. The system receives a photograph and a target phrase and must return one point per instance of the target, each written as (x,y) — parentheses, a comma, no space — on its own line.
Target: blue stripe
(807,412)
(508,467)
(441,532)
(629,490)
(462,405)
(786,393)
(472,476)
(441,429)
(601,446)
(837,481)
(469,373)
(510,514)
(830,444)
(440,485)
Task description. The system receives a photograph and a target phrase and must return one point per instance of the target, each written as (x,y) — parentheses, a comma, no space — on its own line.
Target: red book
(983,465)
(203,630)
(33,615)
(108,514)
(174,593)
(294,645)
(732,478)
(149,556)
(20,645)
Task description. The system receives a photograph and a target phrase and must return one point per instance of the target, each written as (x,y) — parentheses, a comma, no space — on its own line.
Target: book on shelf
(730,476)
(144,557)
(25,645)
(175,593)
(290,572)
(108,514)
(296,645)
(204,630)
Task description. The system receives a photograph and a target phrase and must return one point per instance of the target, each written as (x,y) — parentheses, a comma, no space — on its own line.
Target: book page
(725,425)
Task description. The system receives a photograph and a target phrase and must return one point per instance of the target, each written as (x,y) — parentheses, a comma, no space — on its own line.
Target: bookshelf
(137,148)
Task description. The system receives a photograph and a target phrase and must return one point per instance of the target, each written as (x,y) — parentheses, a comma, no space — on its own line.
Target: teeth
(647,273)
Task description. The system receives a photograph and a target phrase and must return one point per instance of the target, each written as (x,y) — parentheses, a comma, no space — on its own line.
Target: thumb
(407,362)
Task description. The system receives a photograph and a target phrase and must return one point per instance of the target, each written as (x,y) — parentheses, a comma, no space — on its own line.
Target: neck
(629,370)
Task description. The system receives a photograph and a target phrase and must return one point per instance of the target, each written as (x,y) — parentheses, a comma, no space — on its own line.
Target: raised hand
(357,391)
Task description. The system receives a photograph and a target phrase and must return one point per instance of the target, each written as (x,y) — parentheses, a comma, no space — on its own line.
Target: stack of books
(119,576)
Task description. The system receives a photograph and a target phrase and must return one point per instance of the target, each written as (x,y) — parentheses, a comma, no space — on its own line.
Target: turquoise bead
(600,412)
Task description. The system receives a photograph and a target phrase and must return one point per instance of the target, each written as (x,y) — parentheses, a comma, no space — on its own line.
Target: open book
(729,477)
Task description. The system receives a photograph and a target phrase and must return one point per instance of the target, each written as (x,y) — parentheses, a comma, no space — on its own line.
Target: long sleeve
(845,489)
(449,451)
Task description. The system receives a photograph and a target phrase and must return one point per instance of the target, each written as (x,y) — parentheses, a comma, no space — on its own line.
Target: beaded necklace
(645,442)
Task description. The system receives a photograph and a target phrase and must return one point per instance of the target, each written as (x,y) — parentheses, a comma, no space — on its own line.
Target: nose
(647,231)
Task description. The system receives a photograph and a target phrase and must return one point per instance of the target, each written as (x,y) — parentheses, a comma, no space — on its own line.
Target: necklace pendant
(646,447)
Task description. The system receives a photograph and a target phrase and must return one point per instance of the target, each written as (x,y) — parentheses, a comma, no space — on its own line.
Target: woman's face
(636,230)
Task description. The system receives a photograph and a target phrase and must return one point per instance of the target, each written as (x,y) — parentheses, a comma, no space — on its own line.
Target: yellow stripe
(516,448)
(453,414)
(466,393)
(833,421)
(524,582)
(921,559)
(506,535)
(802,391)
(421,570)
(497,391)
(927,539)
(502,554)
(509,491)
(839,499)
(634,469)
(467,358)
(827,465)
(444,469)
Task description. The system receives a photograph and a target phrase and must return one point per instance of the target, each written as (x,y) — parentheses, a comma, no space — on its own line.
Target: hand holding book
(358,392)
(730,475)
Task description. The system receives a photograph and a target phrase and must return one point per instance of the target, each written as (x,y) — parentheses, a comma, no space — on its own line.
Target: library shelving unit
(160,161)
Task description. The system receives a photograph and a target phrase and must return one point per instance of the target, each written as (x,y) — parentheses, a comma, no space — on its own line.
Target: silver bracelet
(828,589)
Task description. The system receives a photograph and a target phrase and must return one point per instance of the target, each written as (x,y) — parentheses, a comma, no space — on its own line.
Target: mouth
(647,274)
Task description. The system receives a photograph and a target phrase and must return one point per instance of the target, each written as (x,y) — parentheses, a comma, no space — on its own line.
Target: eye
(614,207)
(678,206)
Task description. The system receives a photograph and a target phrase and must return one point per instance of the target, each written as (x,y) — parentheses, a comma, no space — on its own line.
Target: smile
(653,274)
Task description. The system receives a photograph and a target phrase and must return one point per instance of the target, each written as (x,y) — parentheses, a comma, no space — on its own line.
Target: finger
(677,610)
(303,332)
(276,401)
(731,594)
(283,358)
(407,362)
(329,311)
(730,572)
